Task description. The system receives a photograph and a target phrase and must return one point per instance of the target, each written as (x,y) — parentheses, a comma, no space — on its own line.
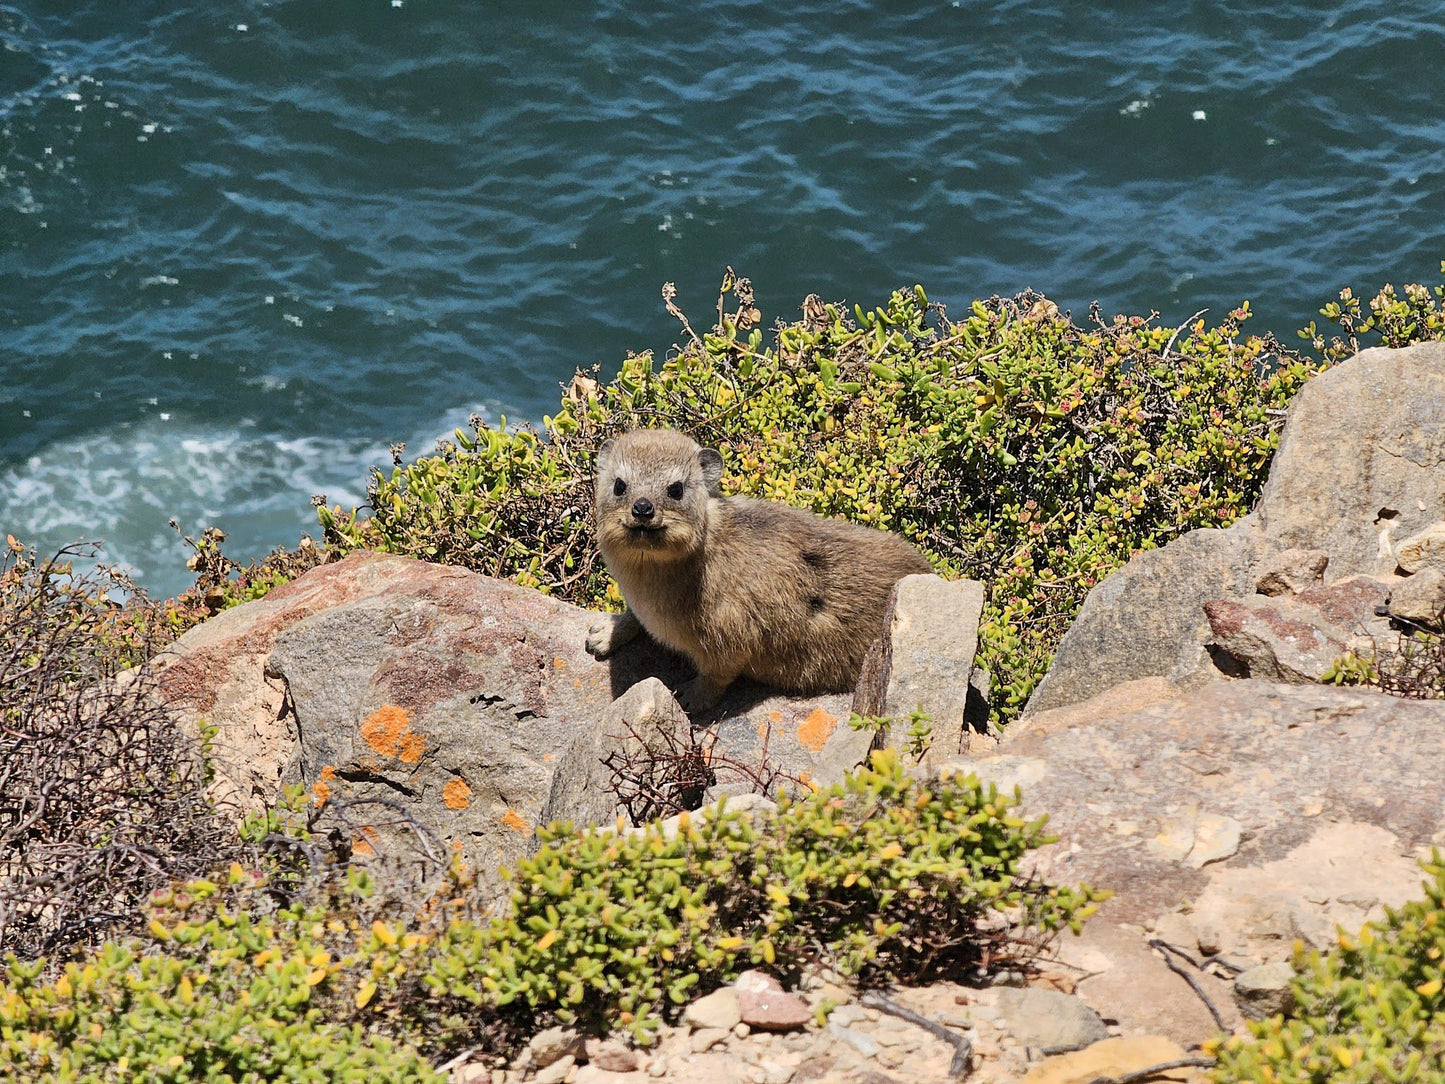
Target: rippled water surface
(245,246)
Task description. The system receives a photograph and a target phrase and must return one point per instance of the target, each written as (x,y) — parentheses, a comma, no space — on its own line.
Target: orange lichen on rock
(388,731)
(365,843)
(513,821)
(322,790)
(813,732)
(456,794)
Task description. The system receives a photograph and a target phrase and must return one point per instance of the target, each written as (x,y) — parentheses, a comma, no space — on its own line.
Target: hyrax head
(653,486)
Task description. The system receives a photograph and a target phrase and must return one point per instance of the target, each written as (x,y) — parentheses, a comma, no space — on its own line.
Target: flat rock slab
(1233,819)
(1284,763)
(1122,978)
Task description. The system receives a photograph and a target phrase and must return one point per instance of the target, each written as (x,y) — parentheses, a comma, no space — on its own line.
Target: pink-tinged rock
(414,690)
(1297,638)
(773,1010)
(611,1056)
(754,981)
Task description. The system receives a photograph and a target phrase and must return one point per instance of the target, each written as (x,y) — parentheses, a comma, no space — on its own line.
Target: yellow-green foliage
(1371,1011)
(1413,314)
(216,995)
(1012,445)
(879,875)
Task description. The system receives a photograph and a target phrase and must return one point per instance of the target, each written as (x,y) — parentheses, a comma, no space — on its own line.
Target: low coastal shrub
(878,877)
(1415,313)
(1372,1010)
(211,994)
(1012,445)
(881,877)
(102,798)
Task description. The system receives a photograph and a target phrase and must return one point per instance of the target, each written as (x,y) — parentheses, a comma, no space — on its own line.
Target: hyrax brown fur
(742,587)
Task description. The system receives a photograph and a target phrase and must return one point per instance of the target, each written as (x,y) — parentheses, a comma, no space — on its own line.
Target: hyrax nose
(642,508)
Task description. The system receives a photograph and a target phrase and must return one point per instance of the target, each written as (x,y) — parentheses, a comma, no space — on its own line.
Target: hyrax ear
(604,453)
(711,464)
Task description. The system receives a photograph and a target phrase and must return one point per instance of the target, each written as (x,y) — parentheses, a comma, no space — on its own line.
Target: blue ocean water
(245,246)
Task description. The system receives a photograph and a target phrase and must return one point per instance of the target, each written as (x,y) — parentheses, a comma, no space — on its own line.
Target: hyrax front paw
(610,633)
(699,694)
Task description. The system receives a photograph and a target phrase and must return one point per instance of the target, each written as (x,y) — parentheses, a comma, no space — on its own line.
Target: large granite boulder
(412,692)
(1357,473)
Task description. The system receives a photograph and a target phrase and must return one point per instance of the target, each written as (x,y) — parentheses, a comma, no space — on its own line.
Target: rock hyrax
(743,588)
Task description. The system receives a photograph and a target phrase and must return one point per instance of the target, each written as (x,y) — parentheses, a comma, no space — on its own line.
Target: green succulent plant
(1371,1011)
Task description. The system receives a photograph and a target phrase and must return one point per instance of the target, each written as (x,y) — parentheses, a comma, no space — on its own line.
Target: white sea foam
(122,486)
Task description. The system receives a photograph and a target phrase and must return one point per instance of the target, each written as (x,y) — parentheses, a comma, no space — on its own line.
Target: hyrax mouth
(641,529)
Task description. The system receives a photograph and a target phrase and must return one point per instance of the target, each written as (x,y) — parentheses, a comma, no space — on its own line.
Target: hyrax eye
(619,487)
(675,491)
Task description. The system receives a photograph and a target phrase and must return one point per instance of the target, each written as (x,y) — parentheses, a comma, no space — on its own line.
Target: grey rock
(553,1044)
(1362,451)
(1048,1020)
(557,1072)
(718,1009)
(1291,571)
(1263,991)
(856,1039)
(644,723)
(1423,550)
(1420,599)
(1359,463)
(925,660)
(1146,619)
